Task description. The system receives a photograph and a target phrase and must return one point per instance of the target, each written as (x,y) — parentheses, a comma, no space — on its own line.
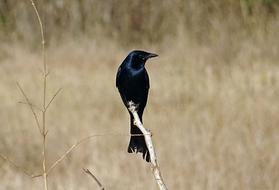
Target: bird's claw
(132,106)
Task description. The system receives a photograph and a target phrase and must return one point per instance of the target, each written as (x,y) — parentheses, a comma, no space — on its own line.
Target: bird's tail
(137,143)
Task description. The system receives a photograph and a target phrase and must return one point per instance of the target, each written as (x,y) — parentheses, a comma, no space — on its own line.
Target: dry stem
(53,97)
(31,107)
(74,146)
(19,167)
(44,130)
(87,171)
(78,143)
(42,127)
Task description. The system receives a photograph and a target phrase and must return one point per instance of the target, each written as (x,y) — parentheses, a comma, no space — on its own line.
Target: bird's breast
(134,86)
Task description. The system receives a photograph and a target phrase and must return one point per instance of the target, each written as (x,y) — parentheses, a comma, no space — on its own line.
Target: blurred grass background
(213,104)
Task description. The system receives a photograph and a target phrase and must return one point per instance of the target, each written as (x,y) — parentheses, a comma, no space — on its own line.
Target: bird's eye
(141,57)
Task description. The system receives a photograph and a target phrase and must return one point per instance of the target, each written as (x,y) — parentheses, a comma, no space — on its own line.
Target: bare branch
(39,20)
(47,73)
(53,97)
(61,158)
(38,175)
(13,164)
(31,107)
(87,171)
(44,130)
(74,146)
(69,151)
(148,140)
(34,106)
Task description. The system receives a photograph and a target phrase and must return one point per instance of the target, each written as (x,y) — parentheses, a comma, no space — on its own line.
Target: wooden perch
(148,140)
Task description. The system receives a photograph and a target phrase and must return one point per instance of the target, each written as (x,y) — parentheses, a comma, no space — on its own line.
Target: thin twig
(87,171)
(40,21)
(61,158)
(44,130)
(42,36)
(69,151)
(34,106)
(13,164)
(44,163)
(53,97)
(74,146)
(31,107)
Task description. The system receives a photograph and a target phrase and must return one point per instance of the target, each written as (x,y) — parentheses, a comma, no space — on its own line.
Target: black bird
(132,82)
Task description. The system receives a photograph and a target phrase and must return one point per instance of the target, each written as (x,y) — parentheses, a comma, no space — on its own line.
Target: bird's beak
(151,55)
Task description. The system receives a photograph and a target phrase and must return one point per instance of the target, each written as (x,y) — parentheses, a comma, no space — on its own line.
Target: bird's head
(139,57)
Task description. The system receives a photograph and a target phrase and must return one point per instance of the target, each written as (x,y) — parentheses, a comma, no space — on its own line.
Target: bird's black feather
(132,82)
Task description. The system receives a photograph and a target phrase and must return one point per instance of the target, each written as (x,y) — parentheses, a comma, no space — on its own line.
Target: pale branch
(34,106)
(31,107)
(13,164)
(74,146)
(39,20)
(147,136)
(47,73)
(44,130)
(61,158)
(53,97)
(42,36)
(87,171)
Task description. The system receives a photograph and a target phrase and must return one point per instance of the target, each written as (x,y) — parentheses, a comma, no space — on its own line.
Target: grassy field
(213,104)
(215,125)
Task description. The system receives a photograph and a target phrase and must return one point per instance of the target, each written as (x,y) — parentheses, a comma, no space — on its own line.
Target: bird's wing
(146,79)
(118,77)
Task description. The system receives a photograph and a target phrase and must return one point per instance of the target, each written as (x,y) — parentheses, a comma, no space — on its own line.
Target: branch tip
(30,106)
(87,171)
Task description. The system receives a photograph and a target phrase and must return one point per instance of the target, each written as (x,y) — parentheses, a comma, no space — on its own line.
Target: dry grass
(215,124)
(134,22)
(213,105)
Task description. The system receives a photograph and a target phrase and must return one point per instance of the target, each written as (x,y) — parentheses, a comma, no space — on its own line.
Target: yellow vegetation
(213,108)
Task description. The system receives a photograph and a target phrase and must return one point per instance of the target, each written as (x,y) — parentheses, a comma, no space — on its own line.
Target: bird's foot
(132,106)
